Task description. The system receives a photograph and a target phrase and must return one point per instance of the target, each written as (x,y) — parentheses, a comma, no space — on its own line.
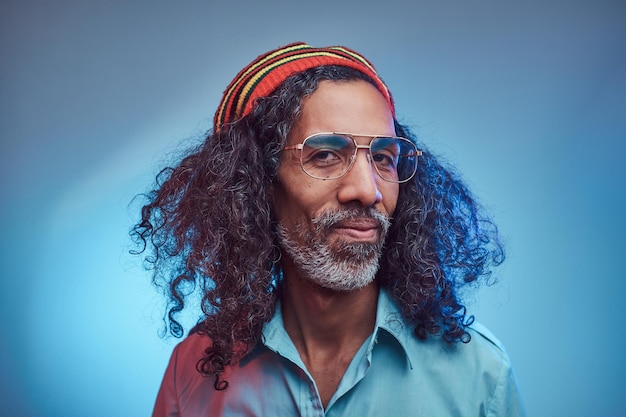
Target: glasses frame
(300,147)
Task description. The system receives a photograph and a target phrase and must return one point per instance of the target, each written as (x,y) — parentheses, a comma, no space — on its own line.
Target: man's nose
(360,183)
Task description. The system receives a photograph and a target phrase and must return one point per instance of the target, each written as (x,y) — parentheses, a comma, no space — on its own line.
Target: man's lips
(358,229)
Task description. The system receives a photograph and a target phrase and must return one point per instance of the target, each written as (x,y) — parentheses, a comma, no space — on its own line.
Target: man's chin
(356,251)
(349,280)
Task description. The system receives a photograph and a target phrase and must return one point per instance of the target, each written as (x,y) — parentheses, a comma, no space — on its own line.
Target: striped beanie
(261,77)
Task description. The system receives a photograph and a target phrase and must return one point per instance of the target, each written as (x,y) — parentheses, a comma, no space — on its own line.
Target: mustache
(329,219)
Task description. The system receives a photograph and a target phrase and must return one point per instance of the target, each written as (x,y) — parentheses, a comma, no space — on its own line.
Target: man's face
(332,231)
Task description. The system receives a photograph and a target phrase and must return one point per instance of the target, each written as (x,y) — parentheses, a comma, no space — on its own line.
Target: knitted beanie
(261,77)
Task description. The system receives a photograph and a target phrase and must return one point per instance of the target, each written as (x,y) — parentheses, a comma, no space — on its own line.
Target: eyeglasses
(330,155)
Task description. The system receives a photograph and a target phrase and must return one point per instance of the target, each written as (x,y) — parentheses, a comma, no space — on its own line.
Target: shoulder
(182,368)
(483,355)
(187,354)
(485,342)
(193,345)
(181,379)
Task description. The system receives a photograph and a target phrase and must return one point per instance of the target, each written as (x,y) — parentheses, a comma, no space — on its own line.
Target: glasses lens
(395,158)
(327,156)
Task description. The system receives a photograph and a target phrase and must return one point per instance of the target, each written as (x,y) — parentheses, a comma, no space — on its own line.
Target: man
(329,252)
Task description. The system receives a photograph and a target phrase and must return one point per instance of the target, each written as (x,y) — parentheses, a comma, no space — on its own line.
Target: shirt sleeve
(166,404)
(506,400)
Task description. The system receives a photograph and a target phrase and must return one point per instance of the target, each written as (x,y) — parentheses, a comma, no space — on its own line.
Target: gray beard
(349,266)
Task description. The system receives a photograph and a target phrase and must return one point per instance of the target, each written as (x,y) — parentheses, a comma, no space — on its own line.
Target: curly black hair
(208,226)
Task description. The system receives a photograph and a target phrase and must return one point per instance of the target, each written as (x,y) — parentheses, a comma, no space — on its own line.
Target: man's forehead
(347,106)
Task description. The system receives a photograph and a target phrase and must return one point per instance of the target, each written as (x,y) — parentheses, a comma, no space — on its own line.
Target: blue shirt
(392,374)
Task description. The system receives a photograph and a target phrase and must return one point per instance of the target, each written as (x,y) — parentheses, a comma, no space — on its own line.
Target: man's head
(332,198)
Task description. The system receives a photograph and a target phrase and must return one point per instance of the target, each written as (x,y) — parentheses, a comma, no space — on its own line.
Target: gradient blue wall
(527,98)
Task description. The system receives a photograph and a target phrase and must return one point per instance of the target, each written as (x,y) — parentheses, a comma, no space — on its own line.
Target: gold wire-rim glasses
(413,152)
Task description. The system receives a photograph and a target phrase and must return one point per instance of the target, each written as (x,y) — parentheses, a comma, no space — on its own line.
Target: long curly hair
(208,228)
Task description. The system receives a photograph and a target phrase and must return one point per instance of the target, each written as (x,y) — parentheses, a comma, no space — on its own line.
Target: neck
(322,320)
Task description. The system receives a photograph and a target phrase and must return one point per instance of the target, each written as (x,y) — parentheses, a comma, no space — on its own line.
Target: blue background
(528,99)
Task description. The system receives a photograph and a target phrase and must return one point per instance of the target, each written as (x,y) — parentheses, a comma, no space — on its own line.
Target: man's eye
(383,160)
(324,156)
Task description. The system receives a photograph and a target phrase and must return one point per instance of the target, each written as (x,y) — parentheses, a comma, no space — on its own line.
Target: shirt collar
(388,318)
